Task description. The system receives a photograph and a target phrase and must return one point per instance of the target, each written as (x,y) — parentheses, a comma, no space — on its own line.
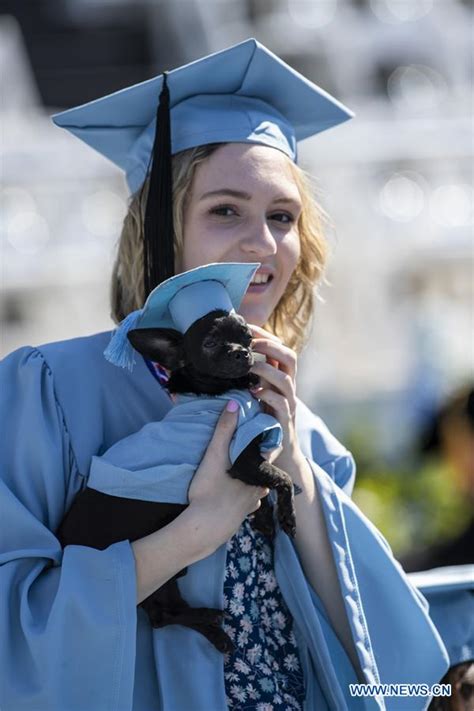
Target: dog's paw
(287,521)
(267,528)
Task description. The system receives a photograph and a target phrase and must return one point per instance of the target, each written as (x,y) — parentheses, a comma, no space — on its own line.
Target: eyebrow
(228,192)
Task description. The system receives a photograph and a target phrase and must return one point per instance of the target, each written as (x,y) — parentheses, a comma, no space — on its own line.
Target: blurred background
(391,354)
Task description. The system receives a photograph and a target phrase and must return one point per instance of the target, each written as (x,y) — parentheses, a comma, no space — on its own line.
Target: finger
(283,382)
(261,493)
(218,447)
(262,332)
(285,357)
(279,405)
(272,454)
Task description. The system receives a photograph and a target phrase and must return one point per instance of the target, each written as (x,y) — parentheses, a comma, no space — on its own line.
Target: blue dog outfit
(168,452)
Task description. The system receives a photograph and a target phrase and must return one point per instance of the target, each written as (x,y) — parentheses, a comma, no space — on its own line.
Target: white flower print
(268,580)
(254,653)
(242,667)
(229,630)
(272,603)
(238,591)
(236,607)
(279,620)
(293,703)
(238,693)
(246,625)
(233,572)
(291,662)
(251,691)
(249,580)
(279,638)
(261,672)
(265,669)
(245,544)
(242,639)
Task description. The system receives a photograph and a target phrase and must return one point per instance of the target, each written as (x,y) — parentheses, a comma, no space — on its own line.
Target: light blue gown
(71,636)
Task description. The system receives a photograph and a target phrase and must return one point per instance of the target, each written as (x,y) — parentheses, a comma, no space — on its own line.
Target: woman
(343,608)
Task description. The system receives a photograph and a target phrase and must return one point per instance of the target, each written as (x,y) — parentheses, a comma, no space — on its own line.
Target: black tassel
(158,238)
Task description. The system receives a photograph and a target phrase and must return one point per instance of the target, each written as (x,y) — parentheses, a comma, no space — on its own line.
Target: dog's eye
(210,343)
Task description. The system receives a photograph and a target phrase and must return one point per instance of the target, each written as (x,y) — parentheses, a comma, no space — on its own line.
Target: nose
(240,354)
(259,241)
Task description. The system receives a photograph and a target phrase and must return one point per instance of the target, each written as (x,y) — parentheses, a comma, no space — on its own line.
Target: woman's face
(244,206)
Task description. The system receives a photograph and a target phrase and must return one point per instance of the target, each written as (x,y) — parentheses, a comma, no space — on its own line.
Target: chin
(257,315)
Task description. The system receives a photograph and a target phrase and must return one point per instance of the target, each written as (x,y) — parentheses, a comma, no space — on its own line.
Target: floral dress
(264,672)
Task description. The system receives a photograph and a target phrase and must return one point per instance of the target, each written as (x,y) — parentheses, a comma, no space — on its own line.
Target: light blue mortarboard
(242,94)
(181,300)
(450,594)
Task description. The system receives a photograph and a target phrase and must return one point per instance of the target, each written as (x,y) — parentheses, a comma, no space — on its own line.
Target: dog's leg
(166,607)
(97,520)
(251,468)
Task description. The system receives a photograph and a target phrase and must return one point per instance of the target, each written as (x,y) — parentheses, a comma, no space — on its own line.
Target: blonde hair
(291,319)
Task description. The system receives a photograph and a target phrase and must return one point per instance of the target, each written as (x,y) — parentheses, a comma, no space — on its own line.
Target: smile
(259,283)
(261,278)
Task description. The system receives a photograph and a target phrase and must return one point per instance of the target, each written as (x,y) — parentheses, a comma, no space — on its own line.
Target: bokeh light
(402,198)
(102,213)
(416,86)
(25,228)
(453,205)
(395,11)
(310,14)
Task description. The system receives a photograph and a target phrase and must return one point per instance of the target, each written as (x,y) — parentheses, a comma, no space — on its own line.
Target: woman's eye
(284,217)
(223,211)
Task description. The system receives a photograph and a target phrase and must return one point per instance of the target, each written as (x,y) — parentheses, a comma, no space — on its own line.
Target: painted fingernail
(232,406)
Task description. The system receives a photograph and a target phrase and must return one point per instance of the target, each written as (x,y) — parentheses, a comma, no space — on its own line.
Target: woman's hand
(277,391)
(219,502)
(217,506)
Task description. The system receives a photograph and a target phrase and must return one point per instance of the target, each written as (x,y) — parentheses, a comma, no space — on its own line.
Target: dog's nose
(240,355)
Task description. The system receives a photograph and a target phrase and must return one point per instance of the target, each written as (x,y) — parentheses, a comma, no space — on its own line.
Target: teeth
(260,278)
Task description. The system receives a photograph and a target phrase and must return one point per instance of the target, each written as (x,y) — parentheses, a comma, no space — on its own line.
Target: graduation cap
(243,94)
(181,300)
(450,594)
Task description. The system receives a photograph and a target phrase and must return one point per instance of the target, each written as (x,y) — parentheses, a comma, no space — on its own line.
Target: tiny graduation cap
(243,94)
(181,300)
(450,594)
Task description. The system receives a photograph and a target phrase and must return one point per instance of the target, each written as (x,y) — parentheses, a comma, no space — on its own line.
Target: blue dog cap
(243,94)
(181,300)
(450,594)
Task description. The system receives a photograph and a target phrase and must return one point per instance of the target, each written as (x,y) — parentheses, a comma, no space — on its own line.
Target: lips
(260,282)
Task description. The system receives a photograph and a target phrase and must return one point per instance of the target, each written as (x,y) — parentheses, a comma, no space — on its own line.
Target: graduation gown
(72,637)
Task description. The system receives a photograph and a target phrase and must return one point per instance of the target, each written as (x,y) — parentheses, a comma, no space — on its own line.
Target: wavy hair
(291,318)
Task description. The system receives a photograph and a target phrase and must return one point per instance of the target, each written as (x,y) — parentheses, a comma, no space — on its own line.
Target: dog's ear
(161,345)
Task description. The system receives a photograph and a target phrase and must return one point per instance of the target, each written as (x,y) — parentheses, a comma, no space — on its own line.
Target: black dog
(213,356)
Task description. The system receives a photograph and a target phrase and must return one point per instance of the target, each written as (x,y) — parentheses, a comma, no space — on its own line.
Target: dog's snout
(240,354)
